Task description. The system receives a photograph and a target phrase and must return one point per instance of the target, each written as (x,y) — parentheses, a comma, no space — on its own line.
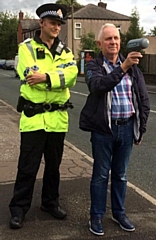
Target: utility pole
(72,14)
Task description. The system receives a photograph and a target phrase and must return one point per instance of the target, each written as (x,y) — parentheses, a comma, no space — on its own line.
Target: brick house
(86,19)
(26,28)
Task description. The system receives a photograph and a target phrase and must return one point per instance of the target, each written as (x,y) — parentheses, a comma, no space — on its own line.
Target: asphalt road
(142,168)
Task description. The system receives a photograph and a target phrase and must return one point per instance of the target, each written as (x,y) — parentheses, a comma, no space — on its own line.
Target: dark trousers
(33,146)
(110,153)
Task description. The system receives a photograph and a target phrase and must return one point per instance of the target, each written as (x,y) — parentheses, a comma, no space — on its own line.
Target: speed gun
(136,45)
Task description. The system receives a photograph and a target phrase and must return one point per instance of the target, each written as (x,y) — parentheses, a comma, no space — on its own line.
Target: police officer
(47,71)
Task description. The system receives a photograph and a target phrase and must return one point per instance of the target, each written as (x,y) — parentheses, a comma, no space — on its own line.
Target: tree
(28,16)
(69,3)
(70,6)
(153,32)
(88,42)
(8,35)
(134,31)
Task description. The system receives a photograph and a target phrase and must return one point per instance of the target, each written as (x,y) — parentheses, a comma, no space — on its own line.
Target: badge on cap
(59,12)
(56,11)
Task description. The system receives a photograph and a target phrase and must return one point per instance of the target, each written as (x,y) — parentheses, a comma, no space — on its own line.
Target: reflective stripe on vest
(62,78)
(29,46)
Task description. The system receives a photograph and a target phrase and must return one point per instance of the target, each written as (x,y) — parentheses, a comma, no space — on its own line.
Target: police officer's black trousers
(33,146)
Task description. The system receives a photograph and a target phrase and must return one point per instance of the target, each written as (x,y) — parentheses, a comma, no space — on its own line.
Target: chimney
(102,5)
(19,30)
(21,15)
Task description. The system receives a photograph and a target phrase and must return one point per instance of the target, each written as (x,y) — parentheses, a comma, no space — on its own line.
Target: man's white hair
(103,27)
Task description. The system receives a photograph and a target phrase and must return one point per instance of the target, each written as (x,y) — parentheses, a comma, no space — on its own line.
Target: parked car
(9,65)
(15,66)
(2,61)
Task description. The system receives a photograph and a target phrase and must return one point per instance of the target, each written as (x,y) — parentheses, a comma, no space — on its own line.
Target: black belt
(121,121)
(30,108)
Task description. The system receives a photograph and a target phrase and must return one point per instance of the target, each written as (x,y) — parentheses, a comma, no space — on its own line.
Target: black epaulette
(67,50)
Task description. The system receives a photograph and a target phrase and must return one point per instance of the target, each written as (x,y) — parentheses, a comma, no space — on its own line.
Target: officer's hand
(132,58)
(35,78)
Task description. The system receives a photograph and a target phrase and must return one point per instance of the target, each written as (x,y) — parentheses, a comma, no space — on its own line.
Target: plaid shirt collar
(110,64)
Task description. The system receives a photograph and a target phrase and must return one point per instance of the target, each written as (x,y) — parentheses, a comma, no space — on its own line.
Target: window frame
(75,28)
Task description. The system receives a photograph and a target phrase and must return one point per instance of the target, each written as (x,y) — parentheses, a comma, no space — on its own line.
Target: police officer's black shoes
(16,222)
(56,211)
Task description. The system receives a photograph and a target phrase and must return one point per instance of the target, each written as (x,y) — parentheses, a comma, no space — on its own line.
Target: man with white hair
(116,113)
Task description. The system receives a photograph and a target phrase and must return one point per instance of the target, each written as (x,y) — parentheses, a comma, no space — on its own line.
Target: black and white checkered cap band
(50,13)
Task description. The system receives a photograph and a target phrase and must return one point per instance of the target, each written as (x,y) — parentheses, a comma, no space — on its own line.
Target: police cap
(55,11)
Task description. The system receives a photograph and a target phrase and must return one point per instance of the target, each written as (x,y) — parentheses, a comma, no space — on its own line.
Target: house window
(119,28)
(77,31)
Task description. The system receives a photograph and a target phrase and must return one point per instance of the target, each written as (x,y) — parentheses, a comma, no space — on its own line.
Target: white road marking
(7,75)
(84,94)
(136,189)
(142,193)
(84,155)
(79,93)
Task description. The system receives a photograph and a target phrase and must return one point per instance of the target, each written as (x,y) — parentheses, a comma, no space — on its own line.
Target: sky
(145,8)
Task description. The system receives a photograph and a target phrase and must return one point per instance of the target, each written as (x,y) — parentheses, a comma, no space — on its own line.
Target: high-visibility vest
(62,71)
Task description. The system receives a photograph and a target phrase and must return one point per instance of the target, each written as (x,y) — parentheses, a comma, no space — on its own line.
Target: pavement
(75,171)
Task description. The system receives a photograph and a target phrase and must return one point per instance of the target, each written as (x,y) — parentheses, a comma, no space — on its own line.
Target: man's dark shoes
(16,222)
(56,211)
(95,226)
(124,222)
